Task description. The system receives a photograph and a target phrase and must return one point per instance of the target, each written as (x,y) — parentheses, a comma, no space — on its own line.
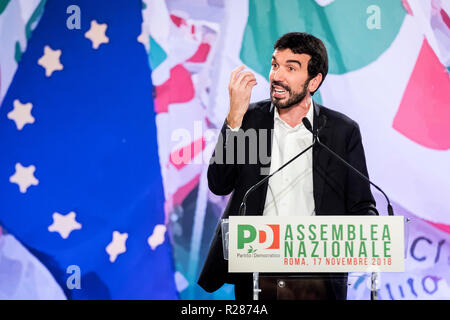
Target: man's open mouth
(279,92)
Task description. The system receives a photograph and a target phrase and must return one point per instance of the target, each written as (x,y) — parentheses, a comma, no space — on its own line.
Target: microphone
(323,121)
(307,124)
(243,207)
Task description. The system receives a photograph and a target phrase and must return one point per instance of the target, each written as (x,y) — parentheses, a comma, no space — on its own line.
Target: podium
(313,258)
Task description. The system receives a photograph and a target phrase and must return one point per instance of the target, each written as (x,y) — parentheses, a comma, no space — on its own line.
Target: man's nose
(278,75)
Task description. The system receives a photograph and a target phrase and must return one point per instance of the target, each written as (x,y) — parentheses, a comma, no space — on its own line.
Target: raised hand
(240,89)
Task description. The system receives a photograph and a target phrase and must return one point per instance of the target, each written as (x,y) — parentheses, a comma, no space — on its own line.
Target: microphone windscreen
(307,124)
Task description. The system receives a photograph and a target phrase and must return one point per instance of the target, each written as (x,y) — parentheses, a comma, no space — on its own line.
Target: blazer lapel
(321,158)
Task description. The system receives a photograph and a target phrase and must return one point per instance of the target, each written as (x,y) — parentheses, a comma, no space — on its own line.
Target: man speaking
(315,183)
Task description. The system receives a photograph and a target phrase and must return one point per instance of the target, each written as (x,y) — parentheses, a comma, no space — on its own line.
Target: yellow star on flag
(97,34)
(21,114)
(50,61)
(64,224)
(157,237)
(117,245)
(24,177)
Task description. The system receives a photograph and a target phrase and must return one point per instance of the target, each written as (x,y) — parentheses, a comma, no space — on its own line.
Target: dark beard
(294,98)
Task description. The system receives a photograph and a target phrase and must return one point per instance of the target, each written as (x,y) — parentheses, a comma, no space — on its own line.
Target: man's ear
(315,82)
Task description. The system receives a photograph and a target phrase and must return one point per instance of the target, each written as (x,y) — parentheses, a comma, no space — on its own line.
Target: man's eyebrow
(295,61)
(289,61)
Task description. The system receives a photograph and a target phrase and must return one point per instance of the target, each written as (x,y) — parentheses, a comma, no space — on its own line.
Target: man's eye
(291,68)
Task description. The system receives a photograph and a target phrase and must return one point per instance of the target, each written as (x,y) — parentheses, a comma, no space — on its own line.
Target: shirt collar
(309,116)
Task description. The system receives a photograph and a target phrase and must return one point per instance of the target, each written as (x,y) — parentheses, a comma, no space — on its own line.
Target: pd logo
(268,235)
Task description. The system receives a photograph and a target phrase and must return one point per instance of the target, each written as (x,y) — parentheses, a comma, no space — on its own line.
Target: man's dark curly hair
(301,42)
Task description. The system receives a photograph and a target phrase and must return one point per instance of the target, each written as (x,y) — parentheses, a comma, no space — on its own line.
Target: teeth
(279,91)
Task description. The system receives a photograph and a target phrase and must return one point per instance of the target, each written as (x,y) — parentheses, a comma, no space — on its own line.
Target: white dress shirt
(290,191)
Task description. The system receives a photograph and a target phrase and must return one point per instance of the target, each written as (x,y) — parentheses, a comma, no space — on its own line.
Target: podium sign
(316,244)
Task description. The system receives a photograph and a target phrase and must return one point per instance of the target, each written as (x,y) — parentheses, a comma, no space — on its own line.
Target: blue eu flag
(80,181)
